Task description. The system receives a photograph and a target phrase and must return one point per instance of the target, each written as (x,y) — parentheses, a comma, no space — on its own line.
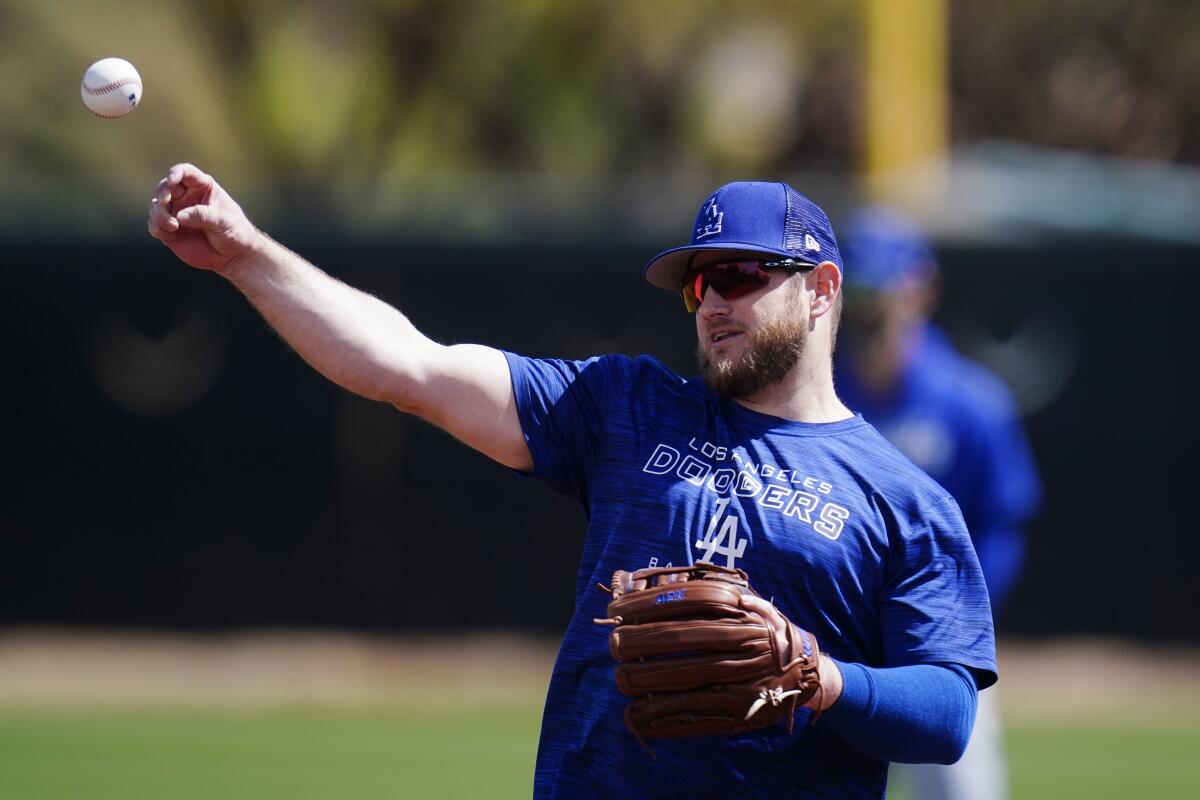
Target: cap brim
(666,270)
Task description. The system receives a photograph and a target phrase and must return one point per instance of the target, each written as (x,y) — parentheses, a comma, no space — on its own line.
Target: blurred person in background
(953,418)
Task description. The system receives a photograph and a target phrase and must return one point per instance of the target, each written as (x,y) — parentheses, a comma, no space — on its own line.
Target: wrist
(244,261)
(832,684)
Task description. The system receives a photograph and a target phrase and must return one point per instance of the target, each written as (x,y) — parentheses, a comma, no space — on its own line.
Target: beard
(768,356)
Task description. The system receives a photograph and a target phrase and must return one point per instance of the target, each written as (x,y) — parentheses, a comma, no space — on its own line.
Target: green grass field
(1100,760)
(281,754)
(125,716)
(1114,761)
(348,754)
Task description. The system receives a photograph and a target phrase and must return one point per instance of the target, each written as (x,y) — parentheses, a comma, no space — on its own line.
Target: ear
(825,282)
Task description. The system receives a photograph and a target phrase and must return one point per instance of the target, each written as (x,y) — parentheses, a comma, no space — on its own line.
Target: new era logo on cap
(771,219)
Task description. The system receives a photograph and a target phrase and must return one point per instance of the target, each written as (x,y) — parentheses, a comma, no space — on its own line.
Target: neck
(805,394)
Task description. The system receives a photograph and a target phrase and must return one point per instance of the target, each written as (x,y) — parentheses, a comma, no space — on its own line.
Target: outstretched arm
(353,338)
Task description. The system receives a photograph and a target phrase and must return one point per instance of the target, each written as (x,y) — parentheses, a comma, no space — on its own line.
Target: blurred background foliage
(1099,76)
(378,116)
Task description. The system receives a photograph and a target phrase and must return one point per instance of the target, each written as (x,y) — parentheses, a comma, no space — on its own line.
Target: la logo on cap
(811,243)
(709,219)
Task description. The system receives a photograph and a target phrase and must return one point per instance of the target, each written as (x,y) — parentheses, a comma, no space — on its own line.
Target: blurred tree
(1102,76)
(373,102)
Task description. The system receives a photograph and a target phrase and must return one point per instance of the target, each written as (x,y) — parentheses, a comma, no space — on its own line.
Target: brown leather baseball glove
(702,653)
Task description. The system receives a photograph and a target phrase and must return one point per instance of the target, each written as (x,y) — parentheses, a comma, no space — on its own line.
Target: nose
(712,304)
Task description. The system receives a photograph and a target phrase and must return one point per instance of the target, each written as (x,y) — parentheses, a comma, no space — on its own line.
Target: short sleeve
(934,606)
(562,406)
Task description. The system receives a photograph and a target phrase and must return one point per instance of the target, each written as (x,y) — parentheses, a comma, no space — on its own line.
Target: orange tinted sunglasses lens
(731,279)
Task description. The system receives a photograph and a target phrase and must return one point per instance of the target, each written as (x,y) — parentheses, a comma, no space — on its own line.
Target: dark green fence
(169,462)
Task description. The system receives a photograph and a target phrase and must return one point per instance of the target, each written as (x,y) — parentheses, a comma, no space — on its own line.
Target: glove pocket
(676,638)
(688,672)
(705,712)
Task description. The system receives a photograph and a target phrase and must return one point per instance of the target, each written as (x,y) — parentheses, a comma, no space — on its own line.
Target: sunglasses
(733,279)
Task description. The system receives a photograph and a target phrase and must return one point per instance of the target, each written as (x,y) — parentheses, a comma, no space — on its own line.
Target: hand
(201,224)
(827,669)
(701,653)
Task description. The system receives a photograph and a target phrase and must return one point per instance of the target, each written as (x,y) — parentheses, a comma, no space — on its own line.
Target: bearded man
(757,465)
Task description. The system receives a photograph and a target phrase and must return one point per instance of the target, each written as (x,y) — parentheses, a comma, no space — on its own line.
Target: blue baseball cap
(751,217)
(883,248)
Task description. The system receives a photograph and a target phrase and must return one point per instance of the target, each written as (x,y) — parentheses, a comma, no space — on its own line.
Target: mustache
(769,354)
(708,326)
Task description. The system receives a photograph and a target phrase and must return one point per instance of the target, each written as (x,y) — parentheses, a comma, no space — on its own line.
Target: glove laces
(776,697)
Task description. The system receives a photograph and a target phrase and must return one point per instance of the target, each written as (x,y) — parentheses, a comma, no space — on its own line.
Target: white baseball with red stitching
(111,88)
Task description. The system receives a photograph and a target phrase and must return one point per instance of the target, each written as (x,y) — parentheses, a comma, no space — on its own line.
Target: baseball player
(754,465)
(955,420)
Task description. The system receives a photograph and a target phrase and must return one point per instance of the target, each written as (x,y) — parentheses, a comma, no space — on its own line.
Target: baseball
(111,88)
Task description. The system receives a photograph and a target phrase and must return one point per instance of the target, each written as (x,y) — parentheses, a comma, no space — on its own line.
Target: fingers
(184,186)
(159,221)
(188,176)
(759,605)
(202,217)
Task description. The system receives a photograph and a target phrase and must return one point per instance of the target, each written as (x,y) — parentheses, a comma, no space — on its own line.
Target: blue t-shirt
(830,521)
(958,422)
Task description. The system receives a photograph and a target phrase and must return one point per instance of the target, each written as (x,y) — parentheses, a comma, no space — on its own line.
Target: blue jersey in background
(957,421)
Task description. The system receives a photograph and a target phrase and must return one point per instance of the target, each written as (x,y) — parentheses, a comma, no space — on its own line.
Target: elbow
(400,381)
(944,747)
(956,734)
(950,735)
(951,748)
(374,376)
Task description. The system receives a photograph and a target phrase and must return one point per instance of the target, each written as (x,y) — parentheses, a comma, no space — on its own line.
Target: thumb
(761,606)
(202,217)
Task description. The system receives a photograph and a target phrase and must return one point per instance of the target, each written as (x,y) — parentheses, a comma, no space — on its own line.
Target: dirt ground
(45,669)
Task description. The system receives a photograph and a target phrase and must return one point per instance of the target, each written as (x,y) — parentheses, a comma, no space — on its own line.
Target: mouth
(722,336)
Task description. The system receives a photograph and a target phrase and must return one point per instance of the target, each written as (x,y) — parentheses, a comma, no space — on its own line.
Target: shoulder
(649,368)
(901,495)
(893,473)
(610,376)
(638,376)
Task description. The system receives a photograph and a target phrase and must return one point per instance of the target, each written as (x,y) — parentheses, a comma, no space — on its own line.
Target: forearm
(916,714)
(354,339)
